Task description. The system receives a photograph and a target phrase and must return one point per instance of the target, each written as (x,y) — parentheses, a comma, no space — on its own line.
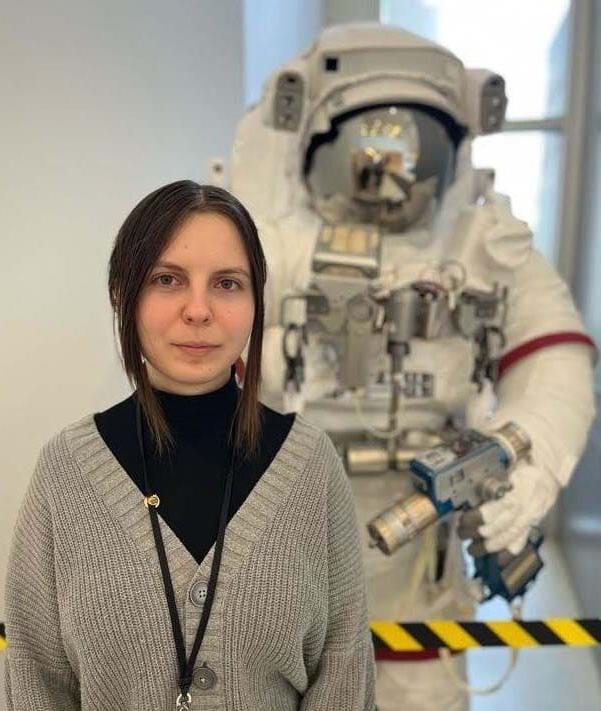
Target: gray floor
(553,679)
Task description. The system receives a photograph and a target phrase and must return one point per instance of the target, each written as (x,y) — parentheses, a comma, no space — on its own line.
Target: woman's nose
(198,307)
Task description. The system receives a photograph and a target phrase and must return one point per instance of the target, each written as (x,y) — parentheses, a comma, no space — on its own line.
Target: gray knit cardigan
(87,621)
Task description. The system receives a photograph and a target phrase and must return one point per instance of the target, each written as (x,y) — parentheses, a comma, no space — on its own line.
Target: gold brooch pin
(152,500)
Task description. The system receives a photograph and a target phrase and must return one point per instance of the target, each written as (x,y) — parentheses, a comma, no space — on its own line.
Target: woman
(188,547)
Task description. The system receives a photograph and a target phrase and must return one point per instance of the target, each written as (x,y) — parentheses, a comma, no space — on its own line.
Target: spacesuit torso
(439,387)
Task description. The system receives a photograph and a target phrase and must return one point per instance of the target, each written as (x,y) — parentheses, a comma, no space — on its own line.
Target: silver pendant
(182,704)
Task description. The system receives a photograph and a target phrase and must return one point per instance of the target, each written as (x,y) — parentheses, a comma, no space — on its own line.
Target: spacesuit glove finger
(497,521)
(511,538)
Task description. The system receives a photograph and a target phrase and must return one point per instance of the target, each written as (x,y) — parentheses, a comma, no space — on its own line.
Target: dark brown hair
(140,241)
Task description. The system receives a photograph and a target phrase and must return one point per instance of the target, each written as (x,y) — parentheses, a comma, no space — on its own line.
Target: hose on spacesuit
(423,567)
(381,434)
(445,657)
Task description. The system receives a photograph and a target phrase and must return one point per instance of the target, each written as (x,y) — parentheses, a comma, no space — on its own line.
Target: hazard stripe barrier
(461,636)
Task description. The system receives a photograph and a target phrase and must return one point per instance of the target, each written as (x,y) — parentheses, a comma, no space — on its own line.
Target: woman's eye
(230,281)
(163,276)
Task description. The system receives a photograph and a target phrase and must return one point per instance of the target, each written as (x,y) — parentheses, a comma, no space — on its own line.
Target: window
(528,155)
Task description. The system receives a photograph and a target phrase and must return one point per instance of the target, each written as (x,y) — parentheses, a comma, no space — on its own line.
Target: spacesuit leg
(400,587)
(420,686)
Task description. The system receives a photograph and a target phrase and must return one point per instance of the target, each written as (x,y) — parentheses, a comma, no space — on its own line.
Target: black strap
(186,669)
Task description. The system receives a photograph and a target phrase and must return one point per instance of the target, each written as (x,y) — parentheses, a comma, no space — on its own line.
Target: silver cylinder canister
(371,457)
(514,440)
(401,522)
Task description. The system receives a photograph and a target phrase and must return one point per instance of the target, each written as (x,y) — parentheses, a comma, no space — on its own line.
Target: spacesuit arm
(545,386)
(546,374)
(538,395)
(344,679)
(551,395)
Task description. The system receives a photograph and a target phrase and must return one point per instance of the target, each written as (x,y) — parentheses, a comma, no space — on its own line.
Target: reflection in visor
(383,166)
(378,176)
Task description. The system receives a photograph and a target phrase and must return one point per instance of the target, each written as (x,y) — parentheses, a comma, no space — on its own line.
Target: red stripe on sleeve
(537,344)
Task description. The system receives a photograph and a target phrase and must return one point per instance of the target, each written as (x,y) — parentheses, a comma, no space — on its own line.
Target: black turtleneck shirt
(190,478)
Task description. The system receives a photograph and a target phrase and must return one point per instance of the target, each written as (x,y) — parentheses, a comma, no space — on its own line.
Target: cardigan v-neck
(124,501)
(189,478)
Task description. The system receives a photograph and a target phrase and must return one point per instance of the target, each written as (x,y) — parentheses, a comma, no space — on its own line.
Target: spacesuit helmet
(363,126)
(379,114)
(386,164)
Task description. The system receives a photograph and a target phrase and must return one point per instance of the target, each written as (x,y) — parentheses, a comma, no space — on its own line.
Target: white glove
(505,524)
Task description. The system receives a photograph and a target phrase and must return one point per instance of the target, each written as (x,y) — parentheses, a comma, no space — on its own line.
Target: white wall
(101,103)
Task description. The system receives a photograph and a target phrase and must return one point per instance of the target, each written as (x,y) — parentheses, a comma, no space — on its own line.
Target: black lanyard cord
(186,669)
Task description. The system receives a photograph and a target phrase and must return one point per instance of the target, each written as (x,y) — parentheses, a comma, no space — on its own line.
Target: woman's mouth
(197,350)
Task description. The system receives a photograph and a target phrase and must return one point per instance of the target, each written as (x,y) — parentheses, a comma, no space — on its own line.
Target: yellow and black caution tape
(460,636)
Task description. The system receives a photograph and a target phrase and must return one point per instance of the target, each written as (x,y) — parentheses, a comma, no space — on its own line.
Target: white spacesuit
(356,165)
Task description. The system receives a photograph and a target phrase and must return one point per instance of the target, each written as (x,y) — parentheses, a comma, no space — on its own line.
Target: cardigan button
(204,677)
(198,593)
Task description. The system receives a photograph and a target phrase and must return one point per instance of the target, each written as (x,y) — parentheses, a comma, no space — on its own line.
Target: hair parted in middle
(145,233)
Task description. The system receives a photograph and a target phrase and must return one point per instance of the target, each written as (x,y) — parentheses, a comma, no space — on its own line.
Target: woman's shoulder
(65,442)
(55,459)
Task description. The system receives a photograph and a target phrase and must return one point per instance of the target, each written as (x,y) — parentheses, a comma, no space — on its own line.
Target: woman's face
(199,290)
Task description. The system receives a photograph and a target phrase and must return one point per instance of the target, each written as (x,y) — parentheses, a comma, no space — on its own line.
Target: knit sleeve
(345,677)
(37,672)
